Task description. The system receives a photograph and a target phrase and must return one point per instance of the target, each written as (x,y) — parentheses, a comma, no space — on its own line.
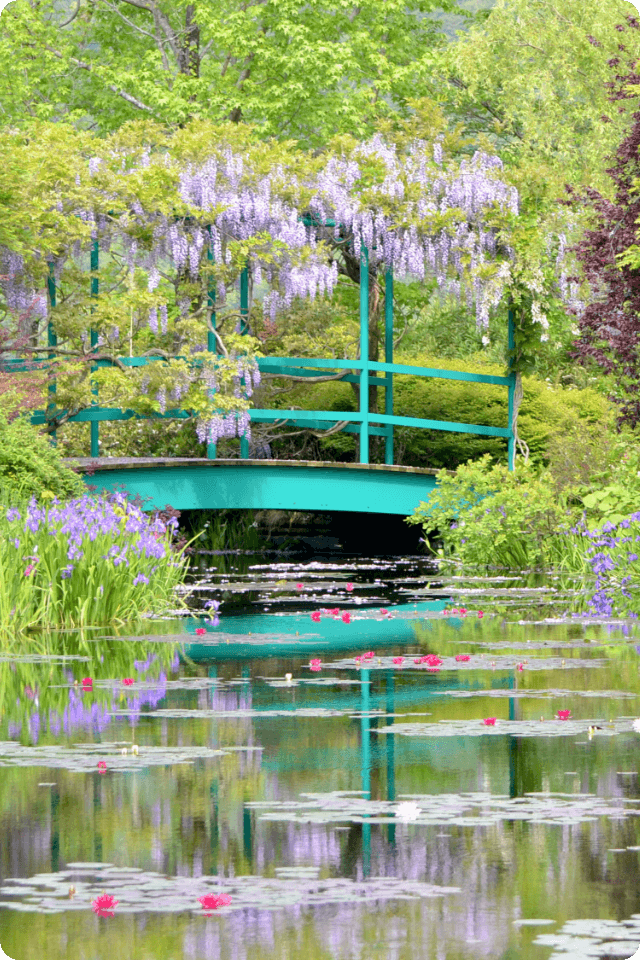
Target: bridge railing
(376,424)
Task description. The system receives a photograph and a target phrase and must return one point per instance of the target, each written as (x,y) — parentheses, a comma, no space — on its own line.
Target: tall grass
(90,561)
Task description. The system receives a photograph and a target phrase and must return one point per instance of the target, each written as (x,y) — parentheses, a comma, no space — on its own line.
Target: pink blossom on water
(384,612)
(462,657)
(298,586)
(212,901)
(346,618)
(104,905)
(200,631)
(480,614)
(564,714)
(315,616)
(398,660)
(368,656)
(349,587)
(489,722)
(127,681)
(87,684)
(315,664)
(102,767)
(520,666)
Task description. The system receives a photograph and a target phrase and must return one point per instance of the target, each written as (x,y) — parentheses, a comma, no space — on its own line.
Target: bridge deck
(199,483)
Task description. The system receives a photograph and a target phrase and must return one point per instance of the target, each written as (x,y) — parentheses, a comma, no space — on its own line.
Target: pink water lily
(480,614)
(490,722)
(398,660)
(102,767)
(87,684)
(315,664)
(298,586)
(564,714)
(462,657)
(384,612)
(369,655)
(212,901)
(346,618)
(418,660)
(349,587)
(200,631)
(432,659)
(520,666)
(463,611)
(128,681)
(104,905)
(315,616)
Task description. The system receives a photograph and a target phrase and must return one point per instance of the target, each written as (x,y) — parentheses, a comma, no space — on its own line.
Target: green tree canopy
(302,69)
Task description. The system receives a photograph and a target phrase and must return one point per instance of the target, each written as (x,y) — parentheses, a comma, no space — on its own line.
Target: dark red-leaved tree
(610,323)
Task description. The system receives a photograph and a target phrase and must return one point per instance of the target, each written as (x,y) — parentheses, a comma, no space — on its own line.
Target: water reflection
(284,795)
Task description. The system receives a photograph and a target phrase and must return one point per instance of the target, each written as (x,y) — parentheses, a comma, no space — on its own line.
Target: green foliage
(490,516)
(294,68)
(31,466)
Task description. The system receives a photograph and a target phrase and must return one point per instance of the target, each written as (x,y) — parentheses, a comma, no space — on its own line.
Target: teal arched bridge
(208,482)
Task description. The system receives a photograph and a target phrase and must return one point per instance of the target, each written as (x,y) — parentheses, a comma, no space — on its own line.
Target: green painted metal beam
(259,484)
(95,289)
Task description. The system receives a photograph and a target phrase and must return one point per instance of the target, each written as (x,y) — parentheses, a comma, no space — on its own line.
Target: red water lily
(398,660)
(463,611)
(211,901)
(87,683)
(128,681)
(490,722)
(102,766)
(346,618)
(432,659)
(462,657)
(564,714)
(369,655)
(104,905)
(315,616)
(480,614)
(200,631)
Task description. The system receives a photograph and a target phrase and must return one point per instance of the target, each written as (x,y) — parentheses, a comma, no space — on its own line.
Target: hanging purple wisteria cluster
(415,214)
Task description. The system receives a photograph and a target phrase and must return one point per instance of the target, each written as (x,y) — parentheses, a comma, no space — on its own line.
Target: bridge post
(95,425)
(244,328)
(388,358)
(52,342)
(364,354)
(211,337)
(512,391)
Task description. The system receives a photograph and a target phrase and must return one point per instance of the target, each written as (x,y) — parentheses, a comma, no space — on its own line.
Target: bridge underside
(188,484)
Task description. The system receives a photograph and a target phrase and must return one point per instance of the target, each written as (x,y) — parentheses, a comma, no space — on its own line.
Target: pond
(358,807)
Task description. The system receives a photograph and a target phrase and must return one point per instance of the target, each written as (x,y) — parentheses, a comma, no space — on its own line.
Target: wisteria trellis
(414,214)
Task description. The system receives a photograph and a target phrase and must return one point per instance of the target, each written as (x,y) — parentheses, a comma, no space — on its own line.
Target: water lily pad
(146,892)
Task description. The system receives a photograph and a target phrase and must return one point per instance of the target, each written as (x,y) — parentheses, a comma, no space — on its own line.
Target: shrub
(488,515)
(31,466)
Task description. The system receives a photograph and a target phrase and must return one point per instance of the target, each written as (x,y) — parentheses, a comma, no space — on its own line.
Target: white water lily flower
(408,811)
(636,726)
